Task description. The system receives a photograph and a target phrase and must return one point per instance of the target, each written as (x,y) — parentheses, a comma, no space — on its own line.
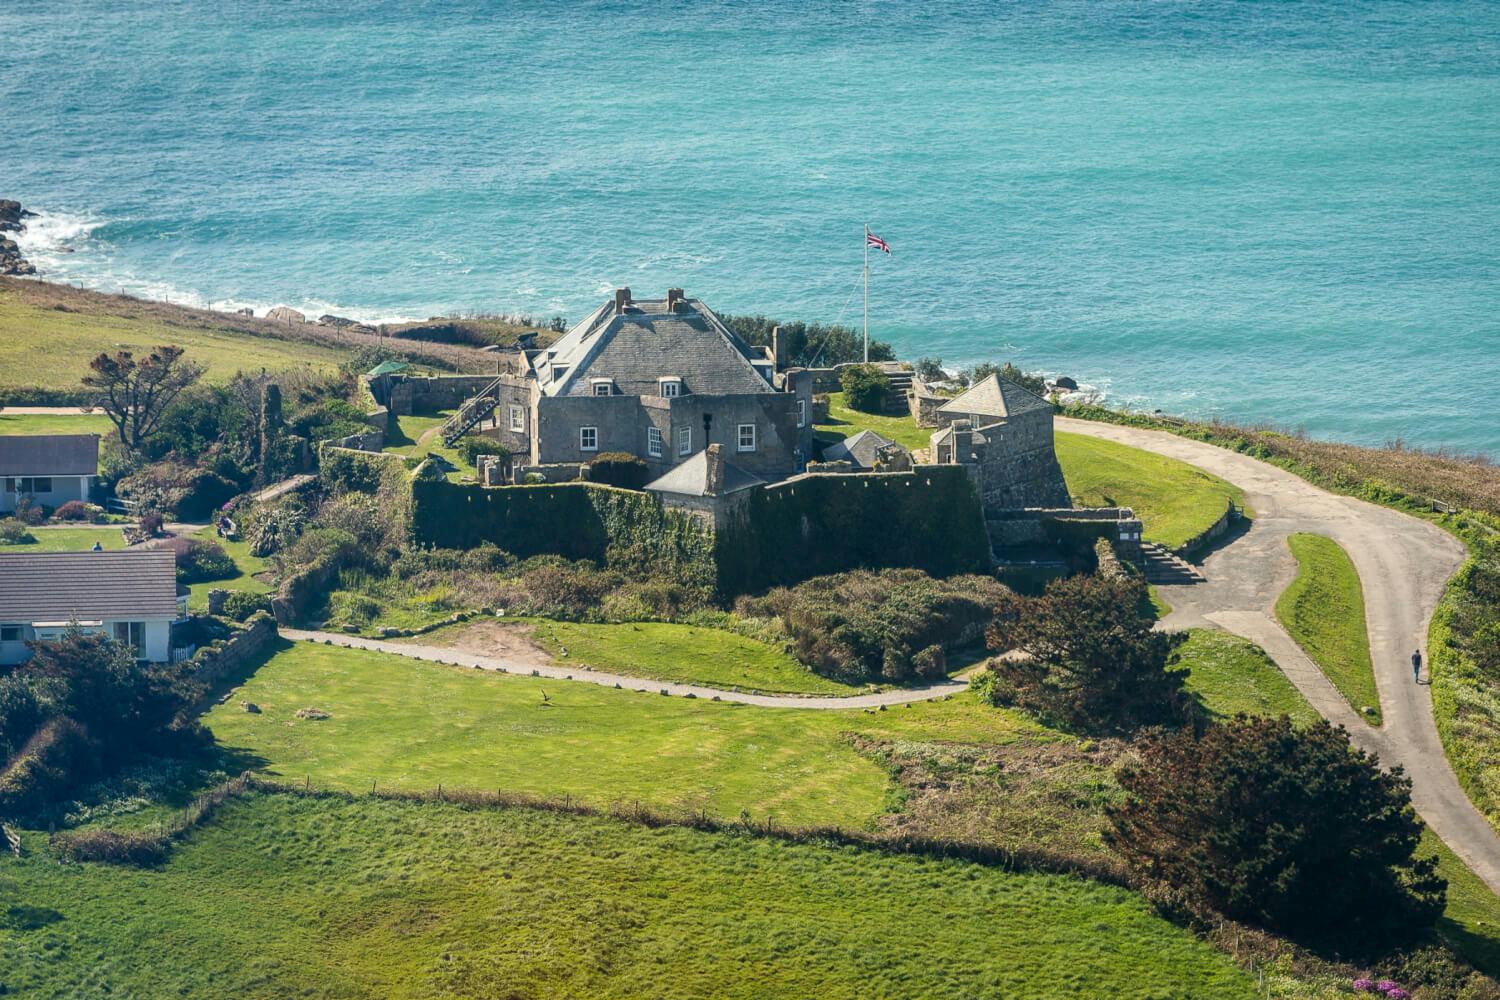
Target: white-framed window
(653,442)
(801,413)
(603,387)
(28,485)
(684,441)
(10,633)
(588,439)
(747,437)
(132,634)
(558,371)
(518,419)
(670,387)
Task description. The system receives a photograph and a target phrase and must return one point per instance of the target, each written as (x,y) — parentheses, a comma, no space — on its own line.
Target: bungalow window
(747,437)
(670,387)
(42,485)
(517,419)
(10,633)
(132,634)
(684,441)
(801,413)
(28,485)
(653,442)
(588,439)
(603,387)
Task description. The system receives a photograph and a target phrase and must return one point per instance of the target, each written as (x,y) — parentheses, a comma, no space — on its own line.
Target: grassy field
(408,724)
(46,348)
(683,653)
(70,539)
(1231,675)
(1174,500)
(55,423)
(282,895)
(1324,611)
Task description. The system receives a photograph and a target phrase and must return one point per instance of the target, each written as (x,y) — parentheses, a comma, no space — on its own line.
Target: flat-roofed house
(130,595)
(50,468)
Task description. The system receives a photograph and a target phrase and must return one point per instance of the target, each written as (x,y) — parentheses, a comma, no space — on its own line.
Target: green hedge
(621,529)
(360,471)
(930,520)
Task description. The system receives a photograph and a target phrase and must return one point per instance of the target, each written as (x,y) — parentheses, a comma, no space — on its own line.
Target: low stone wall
(925,406)
(423,394)
(561,472)
(225,658)
(1195,546)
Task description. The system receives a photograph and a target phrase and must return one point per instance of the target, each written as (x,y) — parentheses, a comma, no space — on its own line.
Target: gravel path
(443,654)
(1403,564)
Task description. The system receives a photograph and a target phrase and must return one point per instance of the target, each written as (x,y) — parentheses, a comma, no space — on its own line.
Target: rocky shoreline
(11,221)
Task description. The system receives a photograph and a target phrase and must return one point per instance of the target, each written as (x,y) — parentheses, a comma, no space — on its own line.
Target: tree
(1091,658)
(810,345)
(1293,830)
(864,387)
(134,394)
(930,370)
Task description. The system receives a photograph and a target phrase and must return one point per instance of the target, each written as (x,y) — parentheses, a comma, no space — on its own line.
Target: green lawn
(55,423)
(281,895)
(245,580)
(70,539)
(1174,500)
(1232,675)
(1324,610)
(685,653)
(50,349)
(407,433)
(409,724)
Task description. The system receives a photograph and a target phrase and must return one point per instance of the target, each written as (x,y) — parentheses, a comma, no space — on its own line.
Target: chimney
(674,299)
(963,442)
(622,299)
(778,348)
(714,481)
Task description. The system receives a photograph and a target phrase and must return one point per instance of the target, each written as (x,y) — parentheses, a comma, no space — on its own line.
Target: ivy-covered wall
(929,519)
(622,529)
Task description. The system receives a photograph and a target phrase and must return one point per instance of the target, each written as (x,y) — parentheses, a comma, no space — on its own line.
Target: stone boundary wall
(925,405)
(1195,546)
(221,659)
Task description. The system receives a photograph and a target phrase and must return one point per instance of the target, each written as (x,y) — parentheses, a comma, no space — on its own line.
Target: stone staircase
(476,409)
(1162,566)
(900,384)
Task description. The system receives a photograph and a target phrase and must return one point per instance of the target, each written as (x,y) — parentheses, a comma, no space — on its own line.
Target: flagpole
(867,293)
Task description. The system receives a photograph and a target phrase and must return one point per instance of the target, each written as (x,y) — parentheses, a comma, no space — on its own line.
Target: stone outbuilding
(1002,432)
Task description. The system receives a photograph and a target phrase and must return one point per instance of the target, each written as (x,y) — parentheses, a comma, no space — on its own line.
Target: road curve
(443,654)
(1403,565)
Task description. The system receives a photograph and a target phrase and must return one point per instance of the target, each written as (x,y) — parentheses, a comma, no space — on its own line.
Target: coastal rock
(283,314)
(11,261)
(11,214)
(1064,382)
(344,323)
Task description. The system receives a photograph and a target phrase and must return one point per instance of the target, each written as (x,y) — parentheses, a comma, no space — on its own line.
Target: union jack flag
(875,241)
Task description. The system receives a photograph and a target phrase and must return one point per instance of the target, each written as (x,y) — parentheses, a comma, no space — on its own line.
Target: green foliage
(929,520)
(241,604)
(1295,830)
(619,468)
(625,531)
(893,625)
(1230,675)
(471,446)
(864,387)
(1092,658)
(810,345)
(930,369)
(344,469)
(60,754)
(189,492)
(78,510)
(1324,610)
(13,532)
(202,559)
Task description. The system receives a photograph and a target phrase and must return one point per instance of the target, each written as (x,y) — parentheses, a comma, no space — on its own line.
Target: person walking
(1416,666)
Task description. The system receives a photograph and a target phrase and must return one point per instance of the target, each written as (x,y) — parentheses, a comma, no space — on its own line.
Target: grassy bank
(1231,675)
(1324,610)
(408,724)
(283,895)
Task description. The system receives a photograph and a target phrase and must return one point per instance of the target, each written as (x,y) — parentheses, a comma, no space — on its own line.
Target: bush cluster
(619,468)
(77,510)
(890,625)
(864,387)
(202,559)
(809,345)
(13,532)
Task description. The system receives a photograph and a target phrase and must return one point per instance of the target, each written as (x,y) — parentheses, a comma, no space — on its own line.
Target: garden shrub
(28,512)
(13,532)
(240,605)
(1094,659)
(864,387)
(619,468)
(202,559)
(892,625)
(77,510)
(58,755)
(471,446)
(1294,830)
(189,492)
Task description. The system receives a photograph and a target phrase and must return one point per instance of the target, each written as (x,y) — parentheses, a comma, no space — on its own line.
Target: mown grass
(245,580)
(55,423)
(70,539)
(282,895)
(1174,500)
(1231,675)
(408,724)
(687,654)
(1324,610)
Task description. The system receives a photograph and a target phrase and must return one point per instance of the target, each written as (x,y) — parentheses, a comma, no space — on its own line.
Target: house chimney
(963,442)
(778,349)
(674,299)
(622,299)
(714,479)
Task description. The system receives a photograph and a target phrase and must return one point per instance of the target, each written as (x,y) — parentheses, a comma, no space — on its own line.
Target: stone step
(1162,566)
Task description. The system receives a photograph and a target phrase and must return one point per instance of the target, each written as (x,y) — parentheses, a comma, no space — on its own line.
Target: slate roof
(49,455)
(691,478)
(995,397)
(59,586)
(857,448)
(636,347)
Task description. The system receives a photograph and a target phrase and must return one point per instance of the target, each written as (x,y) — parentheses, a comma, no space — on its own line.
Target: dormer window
(559,372)
(670,386)
(603,386)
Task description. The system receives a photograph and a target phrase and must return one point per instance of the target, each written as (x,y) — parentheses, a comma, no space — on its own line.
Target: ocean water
(1276,212)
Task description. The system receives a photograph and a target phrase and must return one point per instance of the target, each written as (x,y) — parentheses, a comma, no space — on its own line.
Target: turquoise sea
(1285,212)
